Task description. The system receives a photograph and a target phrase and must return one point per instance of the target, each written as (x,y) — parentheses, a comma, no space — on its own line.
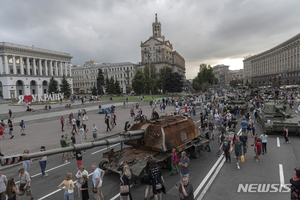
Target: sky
(202,31)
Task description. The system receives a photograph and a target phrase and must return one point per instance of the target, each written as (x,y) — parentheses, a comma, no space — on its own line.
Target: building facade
(85,77)
(218,70)
(277,66)
(158,51)
(27,70)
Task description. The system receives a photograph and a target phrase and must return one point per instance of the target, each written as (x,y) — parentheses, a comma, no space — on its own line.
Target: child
(174,162)
(84,188)
(258,150)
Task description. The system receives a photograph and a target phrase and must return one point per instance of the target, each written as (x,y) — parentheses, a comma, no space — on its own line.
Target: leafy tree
(138,82)
(111,86)
(107,85)
(173,82)
(100,82)
(148,84)
(65,87)
(162,75)
(216,81)
(94,91)
(195,84)
(117,87)
(53,86)
(206,75)
(152,82)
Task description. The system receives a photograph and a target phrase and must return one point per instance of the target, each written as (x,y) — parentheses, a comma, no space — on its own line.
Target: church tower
(156,27)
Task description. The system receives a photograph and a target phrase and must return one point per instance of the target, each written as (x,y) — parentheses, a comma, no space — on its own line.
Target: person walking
(63,144)
(184,163)
(68,142)
(24,184)
(125,179)
(258,149)
(238,151)
(62,122)
(226,147)
(79,175)
(264,142)
(22,124)
(3,185)
(79,155)
(85,130)
(244,140)
(147,181)
(10,114)
(1,131)
(115,118)
(156,178)
(244,124)
(73,121)
(11,128)
(95,129)
(97,179)
(286,135)
(85,188)
(11,190)
(111,121)
(174,163)
(43,163)
(69,187)
(295,185)
(107,124)
(186,189)
(85,117)
(27,163)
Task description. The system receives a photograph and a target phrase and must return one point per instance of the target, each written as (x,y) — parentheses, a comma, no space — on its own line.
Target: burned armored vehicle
(160,136)
(275,116)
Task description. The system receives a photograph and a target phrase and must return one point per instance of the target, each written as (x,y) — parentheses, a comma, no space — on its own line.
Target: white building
(26,70)
(85,77)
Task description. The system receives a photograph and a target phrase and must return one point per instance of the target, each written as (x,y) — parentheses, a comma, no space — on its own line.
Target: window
(153,48)
(131,68)
(153,59)
(153,54)
(145,49)
(159,59)
(121,75)
(121,82)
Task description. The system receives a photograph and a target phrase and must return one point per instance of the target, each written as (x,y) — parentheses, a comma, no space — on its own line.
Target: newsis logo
(263,188)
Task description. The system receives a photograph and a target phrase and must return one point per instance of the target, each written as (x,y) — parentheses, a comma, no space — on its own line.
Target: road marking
(104,149)
(211,180)
(198,121)
(47,170)
(281,176)
(117,195)
(278,142)
(296,111)
(58,190)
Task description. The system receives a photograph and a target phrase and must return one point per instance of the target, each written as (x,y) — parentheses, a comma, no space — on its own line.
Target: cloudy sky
(202,31)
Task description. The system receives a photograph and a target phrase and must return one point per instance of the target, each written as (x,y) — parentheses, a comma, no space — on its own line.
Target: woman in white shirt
(79,175)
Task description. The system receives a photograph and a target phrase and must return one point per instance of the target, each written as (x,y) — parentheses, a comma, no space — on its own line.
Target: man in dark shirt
(211,129)
(244,139)
(63,144)
(185,189)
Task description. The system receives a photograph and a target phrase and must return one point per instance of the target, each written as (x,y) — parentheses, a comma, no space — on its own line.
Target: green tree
(53,86)
(111,86)
(195,84)
(117,87)
(65,87)
(100,82)
(173,82)
(94,91)
(162,75)
(216,81)
(138,82)
(205,74)
(107,85)
(152,82)
(149,85)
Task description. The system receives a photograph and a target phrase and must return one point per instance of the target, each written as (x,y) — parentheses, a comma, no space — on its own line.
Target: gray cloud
(111,31)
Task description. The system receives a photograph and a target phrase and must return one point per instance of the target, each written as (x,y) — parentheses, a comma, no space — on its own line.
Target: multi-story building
(27,70)
(220,69)
(85,77)
(279,65)
(160,52)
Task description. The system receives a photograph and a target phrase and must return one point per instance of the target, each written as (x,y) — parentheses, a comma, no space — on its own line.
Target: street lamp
(147,53)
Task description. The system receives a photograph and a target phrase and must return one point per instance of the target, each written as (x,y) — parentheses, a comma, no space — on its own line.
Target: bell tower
(156,27)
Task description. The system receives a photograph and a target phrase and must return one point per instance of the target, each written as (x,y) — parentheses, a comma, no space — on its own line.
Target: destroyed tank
(160,136)
(275,116)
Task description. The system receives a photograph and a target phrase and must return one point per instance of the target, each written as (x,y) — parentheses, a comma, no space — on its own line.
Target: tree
(162,75)
(173,82)
(148,84)
(151,81)
(216,81)
(138,82)
(195,84)
(100,82)
(53,86)
(206,75)
(107,85)
(94,91)
(65,87)
(111,86)
(117,87)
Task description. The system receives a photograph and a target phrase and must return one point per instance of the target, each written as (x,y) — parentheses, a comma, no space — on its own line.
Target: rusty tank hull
(160,136)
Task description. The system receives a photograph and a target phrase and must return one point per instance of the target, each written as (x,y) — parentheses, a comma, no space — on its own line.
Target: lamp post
(147,53)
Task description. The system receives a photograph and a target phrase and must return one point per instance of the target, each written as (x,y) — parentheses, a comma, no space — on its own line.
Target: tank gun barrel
(132,133)
(7,160)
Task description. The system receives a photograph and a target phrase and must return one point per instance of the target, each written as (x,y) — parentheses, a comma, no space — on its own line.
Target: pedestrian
(244,124)
(10,114)
(73,121)
(258,149)
(174,163)
(22,124)
(85,130)
(244,140)
(107,124)
(63,144)
(111,121)
(264,142)
(85,117)
(220,141)
(286,135)
(68,142)
(79,155)
(79,175)
(249,124)
(160,107)
(164,107)
(156,178)
(3,185)
(95,129)
(62,121)
(1,131)
(295,185)
(238,151)
(115,118)
(73,139)
(81,133)
(184,164)
(186,189)
(69,187)
(147,181)
(43,162)
(24,184)
(78,123)
(11,190)
(79,113)
(97,179)
(125,179)
(85,188)
(211,129)
(27,163)
(226,147)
